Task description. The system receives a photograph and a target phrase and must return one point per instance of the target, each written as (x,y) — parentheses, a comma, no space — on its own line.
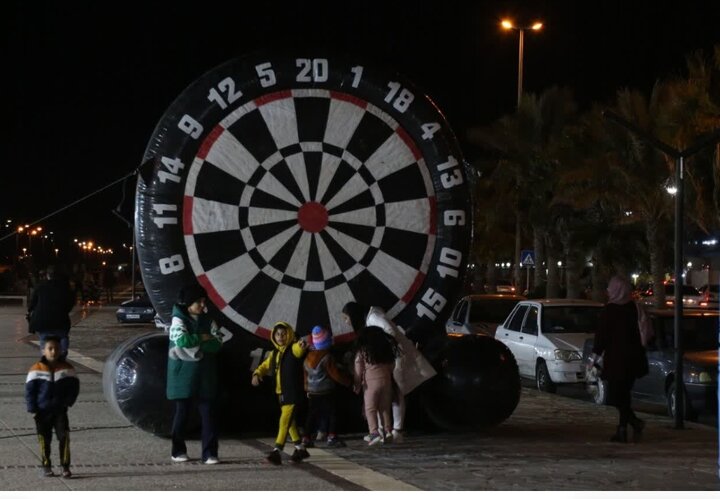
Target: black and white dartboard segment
(297,200)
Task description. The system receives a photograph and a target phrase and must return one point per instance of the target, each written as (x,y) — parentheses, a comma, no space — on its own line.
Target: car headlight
(695,376)
(121,311)
(567,355)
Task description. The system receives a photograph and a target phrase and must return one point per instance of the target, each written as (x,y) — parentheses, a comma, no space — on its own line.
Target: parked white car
(546,337)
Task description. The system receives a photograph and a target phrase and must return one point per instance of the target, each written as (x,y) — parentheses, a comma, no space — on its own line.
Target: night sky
(84,83)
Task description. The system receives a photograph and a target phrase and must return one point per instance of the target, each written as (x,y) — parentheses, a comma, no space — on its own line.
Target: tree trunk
(491,277)
(539,246)
(552,249)
(657,267)
(518,248)
(573,271)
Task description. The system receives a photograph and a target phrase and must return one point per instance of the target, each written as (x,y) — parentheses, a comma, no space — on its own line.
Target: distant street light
(508,25)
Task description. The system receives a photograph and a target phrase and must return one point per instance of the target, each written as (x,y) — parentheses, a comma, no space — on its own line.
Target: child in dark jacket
(322,376)
(51,387)
(284,364)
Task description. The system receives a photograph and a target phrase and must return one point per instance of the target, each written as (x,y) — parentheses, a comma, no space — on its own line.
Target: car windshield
(699,333)
(570,319)
(491,310)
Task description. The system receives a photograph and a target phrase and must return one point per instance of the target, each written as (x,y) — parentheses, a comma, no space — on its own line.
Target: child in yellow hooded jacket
(285,365)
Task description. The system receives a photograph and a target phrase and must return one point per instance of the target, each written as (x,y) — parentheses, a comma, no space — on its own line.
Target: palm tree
(524,142)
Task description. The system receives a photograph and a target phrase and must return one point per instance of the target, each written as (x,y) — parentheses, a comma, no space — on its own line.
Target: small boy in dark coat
(51,387)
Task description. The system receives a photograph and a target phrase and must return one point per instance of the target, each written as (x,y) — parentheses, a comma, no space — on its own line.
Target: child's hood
(290,335)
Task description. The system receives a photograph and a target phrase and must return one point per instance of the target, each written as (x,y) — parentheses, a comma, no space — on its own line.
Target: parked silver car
(700,360)
(480,314)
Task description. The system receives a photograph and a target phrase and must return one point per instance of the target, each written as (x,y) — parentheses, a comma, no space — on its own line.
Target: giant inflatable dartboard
(289,185)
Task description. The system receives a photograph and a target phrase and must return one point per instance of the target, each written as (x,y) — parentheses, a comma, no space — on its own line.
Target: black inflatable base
(477,386)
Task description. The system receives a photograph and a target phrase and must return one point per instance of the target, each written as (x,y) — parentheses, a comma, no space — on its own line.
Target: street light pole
(536,26)
(521,49)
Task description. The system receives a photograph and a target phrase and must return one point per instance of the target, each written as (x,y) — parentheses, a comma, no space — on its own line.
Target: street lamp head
(507,24)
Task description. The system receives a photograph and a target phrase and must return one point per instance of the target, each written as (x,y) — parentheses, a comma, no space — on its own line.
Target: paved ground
(549,443)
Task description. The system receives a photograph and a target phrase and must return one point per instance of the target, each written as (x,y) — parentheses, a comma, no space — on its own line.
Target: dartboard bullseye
(289,186)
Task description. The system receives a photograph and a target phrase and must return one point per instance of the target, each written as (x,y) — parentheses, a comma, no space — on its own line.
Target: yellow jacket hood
(290,335)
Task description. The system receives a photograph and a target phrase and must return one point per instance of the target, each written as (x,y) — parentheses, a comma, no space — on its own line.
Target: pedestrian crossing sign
(527,258)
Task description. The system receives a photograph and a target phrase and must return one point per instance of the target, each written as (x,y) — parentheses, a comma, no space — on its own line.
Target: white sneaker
(367,438)
(375,439)
(211,460)
(397,436)
(180,459)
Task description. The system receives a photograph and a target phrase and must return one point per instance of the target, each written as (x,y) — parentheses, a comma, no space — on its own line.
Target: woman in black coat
(617,340)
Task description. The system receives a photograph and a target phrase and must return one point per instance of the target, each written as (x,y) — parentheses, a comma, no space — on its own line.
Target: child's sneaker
(274,457)
(307,442)
(335,442)
(66,473)
(299,455)
(367,438)
(180,458)
(211,460)
(320,436)
(375,439)
(47,471)
(397,436)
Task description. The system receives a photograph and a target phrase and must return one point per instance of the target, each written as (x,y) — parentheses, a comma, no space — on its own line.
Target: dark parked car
(481,314)
(136,311)
(700,360)
(691,297)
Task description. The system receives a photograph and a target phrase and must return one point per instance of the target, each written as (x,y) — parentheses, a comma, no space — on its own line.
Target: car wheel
(689,414)
(542,378)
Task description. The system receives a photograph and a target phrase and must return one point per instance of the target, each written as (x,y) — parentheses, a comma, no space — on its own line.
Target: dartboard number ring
(289,186)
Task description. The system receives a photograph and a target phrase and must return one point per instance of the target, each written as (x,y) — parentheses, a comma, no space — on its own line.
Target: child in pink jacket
(374,363)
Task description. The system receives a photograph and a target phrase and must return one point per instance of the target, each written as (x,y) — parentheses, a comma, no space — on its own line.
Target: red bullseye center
(312,217)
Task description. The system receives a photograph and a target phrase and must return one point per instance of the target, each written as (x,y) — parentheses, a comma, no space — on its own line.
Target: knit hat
(190,294)
(321,338)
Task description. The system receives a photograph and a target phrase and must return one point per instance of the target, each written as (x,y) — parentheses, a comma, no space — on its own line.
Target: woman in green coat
(192,371)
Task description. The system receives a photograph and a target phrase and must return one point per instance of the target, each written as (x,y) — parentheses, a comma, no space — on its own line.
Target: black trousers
(619,395)
(45,422)
(321,414)
(208,432)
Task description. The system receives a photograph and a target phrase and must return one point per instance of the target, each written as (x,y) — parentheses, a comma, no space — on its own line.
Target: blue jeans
(58,333)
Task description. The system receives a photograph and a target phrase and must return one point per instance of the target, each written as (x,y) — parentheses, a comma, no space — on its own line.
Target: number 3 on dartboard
(171,264)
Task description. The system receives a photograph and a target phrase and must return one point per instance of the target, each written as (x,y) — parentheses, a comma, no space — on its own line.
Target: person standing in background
(49,310)
(618,342)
